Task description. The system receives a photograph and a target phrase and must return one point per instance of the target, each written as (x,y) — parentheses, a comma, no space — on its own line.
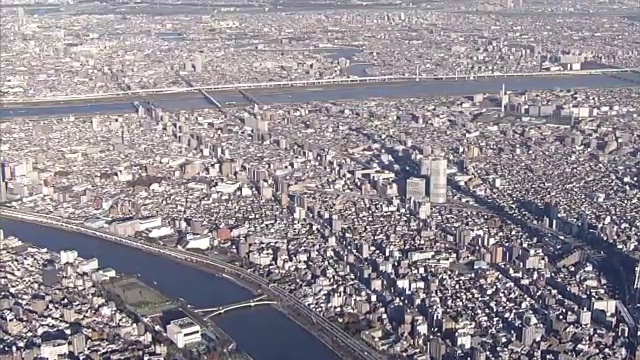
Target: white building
(160,232)
(196,242)
(183,332)
(68,256)
(149,223)
(88,266)
(53,349)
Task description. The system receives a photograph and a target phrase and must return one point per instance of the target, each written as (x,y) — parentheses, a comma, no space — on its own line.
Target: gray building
(243,249)
(78,343)
(49,274)
(416,188)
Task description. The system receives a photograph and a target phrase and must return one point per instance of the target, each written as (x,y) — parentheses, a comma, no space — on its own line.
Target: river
(340,92)
(263,332)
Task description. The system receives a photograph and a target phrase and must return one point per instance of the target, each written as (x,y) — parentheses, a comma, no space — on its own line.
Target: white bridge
(320,82)
(260,300)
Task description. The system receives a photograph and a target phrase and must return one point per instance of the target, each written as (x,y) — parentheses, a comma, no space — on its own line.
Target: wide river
(263,332)
(336,92)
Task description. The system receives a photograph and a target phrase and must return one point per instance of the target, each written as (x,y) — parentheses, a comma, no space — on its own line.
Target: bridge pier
(213,101)
(249,98)
(626,79)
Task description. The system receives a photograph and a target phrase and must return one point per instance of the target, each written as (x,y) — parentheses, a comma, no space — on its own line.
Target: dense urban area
(61,305)
(48,300)
(495,225)
(96,50)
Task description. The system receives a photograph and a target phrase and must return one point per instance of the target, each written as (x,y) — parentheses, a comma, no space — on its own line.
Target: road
(286,300)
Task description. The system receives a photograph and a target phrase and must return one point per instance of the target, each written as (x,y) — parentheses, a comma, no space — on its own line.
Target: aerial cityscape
(397,180)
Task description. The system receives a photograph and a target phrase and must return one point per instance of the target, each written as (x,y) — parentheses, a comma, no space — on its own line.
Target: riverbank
(343,92)
(312,327)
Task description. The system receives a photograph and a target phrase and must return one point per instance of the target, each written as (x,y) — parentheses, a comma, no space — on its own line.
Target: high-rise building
(478,354)
(197,64)
(438,181)
(283,189)
(364,250)
(437,348)
(416,188)
(463,236)
(78,343)
(530,331)
(497,253)
(3,187)
(21,18)
(49,274)
(425,166)
(336,223)
(243,249)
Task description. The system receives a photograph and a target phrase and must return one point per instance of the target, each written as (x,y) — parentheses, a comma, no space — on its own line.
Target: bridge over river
(211,312)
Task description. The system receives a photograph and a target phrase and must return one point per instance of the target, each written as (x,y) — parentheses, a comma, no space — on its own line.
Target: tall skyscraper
(438,181)
(3,188)
(78,343)
(21,18)
(503,99)
(416,188)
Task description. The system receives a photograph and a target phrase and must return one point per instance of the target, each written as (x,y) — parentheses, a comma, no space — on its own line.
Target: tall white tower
(21,18)
(438,181)
(503,102)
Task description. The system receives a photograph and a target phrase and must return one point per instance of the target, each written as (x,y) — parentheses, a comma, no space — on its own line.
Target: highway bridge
(328,332)
(211,312)
(320,82)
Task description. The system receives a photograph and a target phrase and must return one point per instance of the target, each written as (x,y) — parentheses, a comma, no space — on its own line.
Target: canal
(263,332)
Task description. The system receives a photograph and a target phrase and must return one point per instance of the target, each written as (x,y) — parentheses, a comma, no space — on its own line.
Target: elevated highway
(325,330)
(301,83)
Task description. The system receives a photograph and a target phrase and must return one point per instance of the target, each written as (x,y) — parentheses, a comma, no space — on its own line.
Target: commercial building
(416,188)
(192,241)
(78,343)
(438,181)
(68,256)
(88,266)
(52,350)
(425,167)
(183,332)
(3,187)
(49,274)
